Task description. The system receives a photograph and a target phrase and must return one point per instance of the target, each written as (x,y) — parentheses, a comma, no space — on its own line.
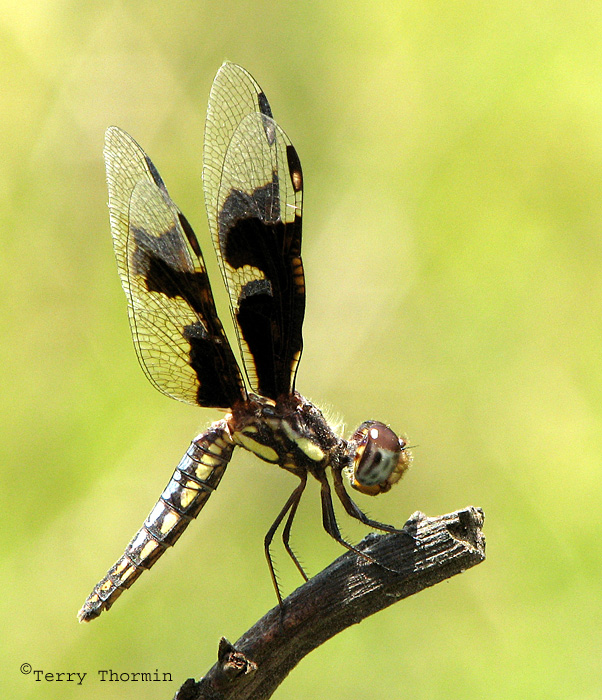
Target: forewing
(178,336)
(253,192)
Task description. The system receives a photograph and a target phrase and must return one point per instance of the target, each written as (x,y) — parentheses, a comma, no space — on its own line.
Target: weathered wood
(343,594)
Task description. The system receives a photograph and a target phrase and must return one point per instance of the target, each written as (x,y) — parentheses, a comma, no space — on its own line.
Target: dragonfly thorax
(293,434)
(290,432)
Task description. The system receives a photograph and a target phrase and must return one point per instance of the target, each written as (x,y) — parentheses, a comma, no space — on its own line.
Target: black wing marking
(178,336)
(253,193)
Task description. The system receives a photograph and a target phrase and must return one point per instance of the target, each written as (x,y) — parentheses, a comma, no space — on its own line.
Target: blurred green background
(453,248)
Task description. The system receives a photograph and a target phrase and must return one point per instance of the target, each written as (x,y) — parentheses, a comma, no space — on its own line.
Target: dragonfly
(253,186)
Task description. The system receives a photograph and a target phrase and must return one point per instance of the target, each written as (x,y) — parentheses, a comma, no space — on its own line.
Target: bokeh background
(453,247)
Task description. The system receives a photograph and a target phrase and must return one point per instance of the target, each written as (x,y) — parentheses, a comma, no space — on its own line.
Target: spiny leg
(292,503)
(331,526)
(287,527)
(356,512)
(353,509)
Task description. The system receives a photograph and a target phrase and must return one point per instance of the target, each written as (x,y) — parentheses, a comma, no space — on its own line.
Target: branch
(341,595)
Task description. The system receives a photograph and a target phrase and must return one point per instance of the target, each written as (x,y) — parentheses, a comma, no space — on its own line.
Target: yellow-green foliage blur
(452,155)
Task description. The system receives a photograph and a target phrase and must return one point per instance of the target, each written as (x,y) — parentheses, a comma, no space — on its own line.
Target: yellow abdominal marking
(210,461)
(203,471)
(169,522)
(263,451)
(131,570)
(148,548)
(187,496)
(123,564)
(217,446)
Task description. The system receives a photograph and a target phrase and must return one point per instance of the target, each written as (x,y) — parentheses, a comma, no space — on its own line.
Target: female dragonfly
(253,192)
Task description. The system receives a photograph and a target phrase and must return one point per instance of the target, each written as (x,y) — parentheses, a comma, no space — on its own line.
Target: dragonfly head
(377,458)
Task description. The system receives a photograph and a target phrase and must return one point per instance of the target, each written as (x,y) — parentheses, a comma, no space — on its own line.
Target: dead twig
(341,595)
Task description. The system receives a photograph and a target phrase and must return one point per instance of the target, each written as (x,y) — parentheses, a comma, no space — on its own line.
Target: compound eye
(377,455)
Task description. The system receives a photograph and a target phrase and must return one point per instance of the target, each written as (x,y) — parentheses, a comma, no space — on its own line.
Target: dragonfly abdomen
(193,481)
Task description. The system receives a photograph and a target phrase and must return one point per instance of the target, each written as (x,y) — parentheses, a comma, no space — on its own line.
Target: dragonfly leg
(287,527)
(354,510)
(331,526)
(290,505)
(330,522)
